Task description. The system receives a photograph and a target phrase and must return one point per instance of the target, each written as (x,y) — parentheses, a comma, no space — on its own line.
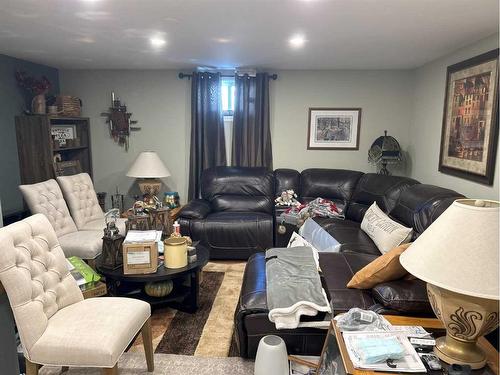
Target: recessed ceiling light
(223,40)
(297,41)
(157,41)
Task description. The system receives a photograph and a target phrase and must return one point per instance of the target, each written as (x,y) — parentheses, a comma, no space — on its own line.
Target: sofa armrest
(408,297)
(196,209)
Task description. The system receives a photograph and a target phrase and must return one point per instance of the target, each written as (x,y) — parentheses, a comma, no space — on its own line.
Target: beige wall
(161,103)
(407,103)
(385,99)
(158,100)
(425,130)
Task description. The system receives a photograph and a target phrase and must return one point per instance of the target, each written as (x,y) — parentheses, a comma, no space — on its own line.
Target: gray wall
(12,103)
(385,99)
(407,103)
(161,103)
(425,131)
(158,100)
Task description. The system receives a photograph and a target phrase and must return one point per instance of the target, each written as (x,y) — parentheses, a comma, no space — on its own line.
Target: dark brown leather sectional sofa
(237,209)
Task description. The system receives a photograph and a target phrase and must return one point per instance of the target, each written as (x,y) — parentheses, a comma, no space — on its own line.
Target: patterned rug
(167,364)
(208,332)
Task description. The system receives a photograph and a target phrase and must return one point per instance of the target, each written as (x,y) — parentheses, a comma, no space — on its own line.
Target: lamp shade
(385,148)
(459,251)
(148,165)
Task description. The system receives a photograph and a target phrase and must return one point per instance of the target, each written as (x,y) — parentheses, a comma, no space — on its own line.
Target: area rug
(209,331)
(167,364)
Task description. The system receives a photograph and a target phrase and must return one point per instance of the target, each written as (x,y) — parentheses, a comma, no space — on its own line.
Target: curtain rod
(188,76)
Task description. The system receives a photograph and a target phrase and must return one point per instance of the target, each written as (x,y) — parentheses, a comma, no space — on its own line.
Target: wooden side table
(335,351)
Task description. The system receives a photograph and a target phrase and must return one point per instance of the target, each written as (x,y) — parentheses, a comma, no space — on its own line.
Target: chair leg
(110,371)
(31,368)
(147,339)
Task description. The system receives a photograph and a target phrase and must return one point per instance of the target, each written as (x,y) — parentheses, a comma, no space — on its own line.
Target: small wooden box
(98,290)
(140,258)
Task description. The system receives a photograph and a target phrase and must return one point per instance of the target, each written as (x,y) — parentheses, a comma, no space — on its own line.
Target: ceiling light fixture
(223,40)
(297,41)
(157,42)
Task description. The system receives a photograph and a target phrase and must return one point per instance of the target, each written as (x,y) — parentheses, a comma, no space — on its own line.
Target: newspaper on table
(410,362)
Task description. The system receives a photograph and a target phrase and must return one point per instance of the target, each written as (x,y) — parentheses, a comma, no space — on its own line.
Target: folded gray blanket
(293,286)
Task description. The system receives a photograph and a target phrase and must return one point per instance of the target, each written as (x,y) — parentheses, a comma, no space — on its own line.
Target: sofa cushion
(47,198)
(235,188)
(286,179)
(385,232)
(195,209)
(338,269)
(85,244)
(371,187)
(405,296)
(384,268)
(232,234)
(81,197)
(75,337)
(419,205)
(242,203)
(334,184)
(349,234)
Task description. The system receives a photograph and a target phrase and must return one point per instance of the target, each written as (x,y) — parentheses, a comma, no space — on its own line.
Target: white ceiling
(340,34)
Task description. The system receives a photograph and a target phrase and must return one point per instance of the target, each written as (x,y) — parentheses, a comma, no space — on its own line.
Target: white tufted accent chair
(56,325)
(82,200)
(46,198)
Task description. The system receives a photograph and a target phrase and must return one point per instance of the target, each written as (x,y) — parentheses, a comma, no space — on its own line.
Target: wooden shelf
(36,162)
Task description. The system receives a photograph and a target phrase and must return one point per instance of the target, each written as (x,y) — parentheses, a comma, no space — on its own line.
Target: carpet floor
(167,364)
(208,332)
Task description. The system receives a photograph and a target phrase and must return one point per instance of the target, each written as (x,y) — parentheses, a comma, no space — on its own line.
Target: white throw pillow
(385,232)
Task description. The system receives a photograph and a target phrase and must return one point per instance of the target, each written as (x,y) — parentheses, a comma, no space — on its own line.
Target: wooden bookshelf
(36,148)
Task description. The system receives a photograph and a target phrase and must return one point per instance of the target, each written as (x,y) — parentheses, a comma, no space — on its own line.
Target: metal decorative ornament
(120,124)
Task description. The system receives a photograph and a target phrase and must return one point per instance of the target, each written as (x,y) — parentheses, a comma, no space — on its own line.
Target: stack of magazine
(83,274)
(385,348)
(407,361)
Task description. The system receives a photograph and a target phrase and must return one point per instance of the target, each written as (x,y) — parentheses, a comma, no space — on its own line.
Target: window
(227,92)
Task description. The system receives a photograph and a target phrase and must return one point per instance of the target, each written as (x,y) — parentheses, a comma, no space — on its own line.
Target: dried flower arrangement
(31,84)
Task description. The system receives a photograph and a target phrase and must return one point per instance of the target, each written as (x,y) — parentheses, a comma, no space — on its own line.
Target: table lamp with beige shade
(148,169)
(458,258)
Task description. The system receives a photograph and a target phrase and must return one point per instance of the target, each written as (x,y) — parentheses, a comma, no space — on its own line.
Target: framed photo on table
(470,119)
(333,128)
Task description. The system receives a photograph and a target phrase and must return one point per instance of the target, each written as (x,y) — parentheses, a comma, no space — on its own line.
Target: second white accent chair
(80,195)
(46,198)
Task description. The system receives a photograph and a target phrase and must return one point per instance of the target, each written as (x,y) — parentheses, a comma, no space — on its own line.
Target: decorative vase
(159,289)
(38,105)
(272,357)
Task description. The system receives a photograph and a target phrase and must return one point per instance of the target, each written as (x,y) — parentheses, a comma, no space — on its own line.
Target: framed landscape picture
(334,128)
(470,120)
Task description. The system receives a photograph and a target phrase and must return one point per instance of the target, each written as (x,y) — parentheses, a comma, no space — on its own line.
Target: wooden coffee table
(184,296)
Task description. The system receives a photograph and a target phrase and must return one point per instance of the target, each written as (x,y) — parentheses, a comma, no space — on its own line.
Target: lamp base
(466,319)
(451,351)
(149,186)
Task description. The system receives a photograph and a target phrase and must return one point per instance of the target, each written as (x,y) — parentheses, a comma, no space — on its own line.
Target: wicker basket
(68,106)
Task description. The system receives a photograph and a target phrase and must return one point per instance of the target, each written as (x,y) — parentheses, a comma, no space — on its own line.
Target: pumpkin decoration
(159,289)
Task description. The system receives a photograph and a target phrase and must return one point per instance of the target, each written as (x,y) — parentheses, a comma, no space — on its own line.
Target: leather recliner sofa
(235,217)
(405,200)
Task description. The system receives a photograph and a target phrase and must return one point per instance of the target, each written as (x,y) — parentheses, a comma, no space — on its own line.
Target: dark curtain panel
(251,129)
(208,147)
